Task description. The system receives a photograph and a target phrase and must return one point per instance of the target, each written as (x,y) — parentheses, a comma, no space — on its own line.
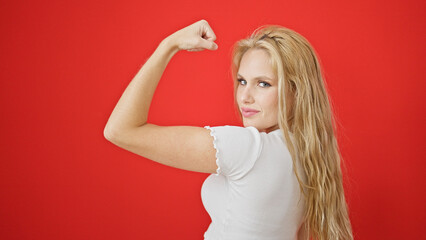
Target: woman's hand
(195,37)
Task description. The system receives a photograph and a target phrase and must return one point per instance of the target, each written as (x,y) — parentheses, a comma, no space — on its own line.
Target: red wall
(64,65)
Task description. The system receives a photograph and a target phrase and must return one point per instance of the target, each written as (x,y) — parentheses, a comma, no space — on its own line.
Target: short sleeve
(237,149)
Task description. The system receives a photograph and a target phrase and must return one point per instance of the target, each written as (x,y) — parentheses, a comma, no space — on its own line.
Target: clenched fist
(195,37)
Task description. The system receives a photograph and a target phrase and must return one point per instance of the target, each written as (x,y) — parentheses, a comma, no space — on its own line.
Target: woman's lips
(247,112)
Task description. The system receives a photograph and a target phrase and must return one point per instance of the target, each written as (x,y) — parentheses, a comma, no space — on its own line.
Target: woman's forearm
(132,109)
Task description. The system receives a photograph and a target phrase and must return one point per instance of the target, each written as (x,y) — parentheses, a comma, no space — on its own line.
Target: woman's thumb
(209,45)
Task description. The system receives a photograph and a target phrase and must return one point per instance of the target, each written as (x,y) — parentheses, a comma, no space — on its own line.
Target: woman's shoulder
(243,136)
(237,149)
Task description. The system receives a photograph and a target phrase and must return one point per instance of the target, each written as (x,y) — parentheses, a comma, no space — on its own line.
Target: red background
(64,65)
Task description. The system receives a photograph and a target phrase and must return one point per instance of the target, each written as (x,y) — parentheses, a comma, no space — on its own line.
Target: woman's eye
(241,80)
(266,84)
(262,84)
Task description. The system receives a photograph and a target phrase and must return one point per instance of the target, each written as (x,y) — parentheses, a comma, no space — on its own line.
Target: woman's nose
(247,95)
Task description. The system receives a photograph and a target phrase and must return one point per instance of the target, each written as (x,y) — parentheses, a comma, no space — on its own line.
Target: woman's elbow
(109,133)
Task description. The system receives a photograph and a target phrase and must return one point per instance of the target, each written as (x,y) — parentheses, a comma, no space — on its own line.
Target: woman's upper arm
(185,147)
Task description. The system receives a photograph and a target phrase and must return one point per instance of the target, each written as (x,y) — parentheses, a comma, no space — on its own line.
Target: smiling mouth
(248,113)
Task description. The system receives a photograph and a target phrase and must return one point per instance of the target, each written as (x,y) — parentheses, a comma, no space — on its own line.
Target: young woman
(279,176)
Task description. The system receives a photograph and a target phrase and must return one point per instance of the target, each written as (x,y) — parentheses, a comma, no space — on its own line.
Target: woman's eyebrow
(257,78)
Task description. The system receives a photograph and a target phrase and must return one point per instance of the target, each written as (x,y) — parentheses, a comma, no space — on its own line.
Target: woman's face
(257,91)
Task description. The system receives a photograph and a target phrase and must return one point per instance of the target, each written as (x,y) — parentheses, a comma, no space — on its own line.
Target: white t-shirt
(255,193)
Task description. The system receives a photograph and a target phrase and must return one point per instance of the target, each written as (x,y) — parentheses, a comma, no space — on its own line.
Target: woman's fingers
(207,36)
(196,37)
(208,33)
(208,44)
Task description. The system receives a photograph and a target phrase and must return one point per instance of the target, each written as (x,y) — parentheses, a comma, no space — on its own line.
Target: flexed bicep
(184,147)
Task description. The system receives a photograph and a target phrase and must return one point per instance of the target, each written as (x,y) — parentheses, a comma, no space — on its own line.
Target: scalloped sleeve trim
(212,133)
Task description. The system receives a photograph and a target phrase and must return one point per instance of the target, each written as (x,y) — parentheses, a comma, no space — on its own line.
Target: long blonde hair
(305,111)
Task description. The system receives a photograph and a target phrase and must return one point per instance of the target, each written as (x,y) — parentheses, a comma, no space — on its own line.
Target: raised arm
(184,147)
(132,109)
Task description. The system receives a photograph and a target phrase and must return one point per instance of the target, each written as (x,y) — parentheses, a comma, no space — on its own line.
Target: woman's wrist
(169,44)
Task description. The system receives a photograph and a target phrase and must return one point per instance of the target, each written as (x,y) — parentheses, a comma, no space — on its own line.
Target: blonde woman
(279,176)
